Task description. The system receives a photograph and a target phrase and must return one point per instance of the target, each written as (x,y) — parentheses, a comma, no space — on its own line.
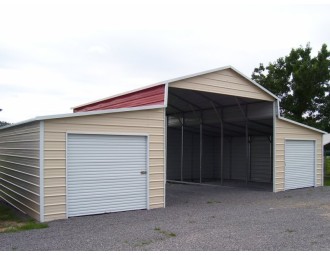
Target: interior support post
(271,157)
(221,156)
(230,157)
(250,157)
(182,135)
(245,116)
(220,117)
(247,151)
(200,148)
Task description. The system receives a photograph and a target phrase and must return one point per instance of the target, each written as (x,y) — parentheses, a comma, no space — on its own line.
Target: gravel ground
(196,218)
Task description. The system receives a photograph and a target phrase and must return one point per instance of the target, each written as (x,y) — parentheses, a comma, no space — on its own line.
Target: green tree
(4,123)
(302,83)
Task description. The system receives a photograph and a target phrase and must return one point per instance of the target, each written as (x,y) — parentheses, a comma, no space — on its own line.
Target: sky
(55,55)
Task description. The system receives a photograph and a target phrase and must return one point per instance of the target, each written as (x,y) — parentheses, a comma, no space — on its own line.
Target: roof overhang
(81,114)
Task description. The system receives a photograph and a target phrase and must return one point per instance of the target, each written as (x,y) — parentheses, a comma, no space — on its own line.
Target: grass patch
(327,181)
(290,231)
(166,233)
(213,202)
(7,214)
(327,165)
(31,224)
(143,243)
(11,221)
(327,171)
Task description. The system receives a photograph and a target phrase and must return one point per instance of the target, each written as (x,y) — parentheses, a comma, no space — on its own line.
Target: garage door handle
(143,172)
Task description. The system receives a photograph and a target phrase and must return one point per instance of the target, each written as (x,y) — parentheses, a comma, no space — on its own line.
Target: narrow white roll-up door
(106,173)
(299,164)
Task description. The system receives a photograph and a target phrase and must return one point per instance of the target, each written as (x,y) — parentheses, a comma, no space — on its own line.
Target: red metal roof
(149,96)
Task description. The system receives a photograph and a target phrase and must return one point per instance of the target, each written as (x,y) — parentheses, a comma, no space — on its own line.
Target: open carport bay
(219,139)
(197,217)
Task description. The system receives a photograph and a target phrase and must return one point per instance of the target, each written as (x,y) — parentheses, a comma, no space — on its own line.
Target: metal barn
(116,154)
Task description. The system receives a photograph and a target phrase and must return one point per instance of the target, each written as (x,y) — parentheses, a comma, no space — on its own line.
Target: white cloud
(54,56)
(97,49)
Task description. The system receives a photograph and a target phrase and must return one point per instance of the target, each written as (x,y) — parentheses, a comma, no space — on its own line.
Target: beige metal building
(215,127)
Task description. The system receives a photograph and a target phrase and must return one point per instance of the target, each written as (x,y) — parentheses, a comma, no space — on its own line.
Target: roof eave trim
(302,125)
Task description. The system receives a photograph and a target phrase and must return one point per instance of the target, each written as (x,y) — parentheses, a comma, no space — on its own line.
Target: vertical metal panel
(173,154)
(104,173)
(226,157)
(299,164)
(261,159)
(238,159)
(196,156)
(188,158)
(209,158)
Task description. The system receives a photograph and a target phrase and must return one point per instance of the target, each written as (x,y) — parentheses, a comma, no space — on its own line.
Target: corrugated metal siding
(143,122)
(104,173)
(299,164)
(191,156)
(209,158)
(226,157)
(234,157)
(149,96)
(286,130)
(238,158)
(193,141)
(173,163)
(226,82)
(261,165)
(19,167)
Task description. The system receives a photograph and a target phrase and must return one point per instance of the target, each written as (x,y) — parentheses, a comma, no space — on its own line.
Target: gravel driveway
(196,218)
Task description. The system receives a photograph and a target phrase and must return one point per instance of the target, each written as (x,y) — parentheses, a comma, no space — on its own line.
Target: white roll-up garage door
(299,164)
(106,173)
